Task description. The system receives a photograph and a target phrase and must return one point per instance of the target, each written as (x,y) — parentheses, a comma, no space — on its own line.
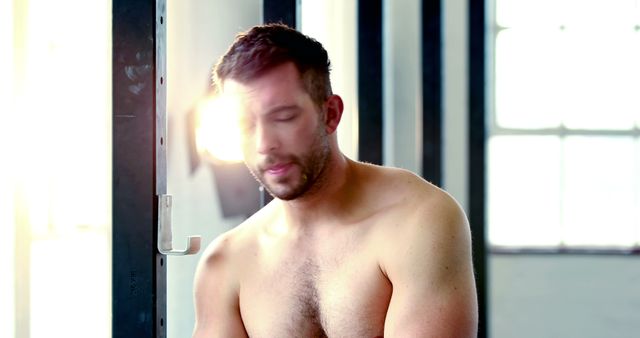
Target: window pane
(600,14)
(588,79)
(70,286)
(524,190)
(571,64)
(7,260)
(7,178)
(7,254)
(60,135)
(599,194)
(603,79)
(539,13)
(530,78)
(520,13)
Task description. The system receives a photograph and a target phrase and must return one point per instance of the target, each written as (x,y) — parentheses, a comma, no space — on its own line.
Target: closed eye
(285,118)
(284,113)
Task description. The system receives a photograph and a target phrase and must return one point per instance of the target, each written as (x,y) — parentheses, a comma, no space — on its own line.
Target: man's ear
(334,107)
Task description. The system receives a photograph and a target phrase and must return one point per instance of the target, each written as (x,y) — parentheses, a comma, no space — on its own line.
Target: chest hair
(309,317)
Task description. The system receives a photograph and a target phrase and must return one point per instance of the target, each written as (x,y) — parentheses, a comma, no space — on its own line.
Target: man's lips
(278,169)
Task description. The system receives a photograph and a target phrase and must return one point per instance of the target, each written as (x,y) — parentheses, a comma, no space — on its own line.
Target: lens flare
(217,129)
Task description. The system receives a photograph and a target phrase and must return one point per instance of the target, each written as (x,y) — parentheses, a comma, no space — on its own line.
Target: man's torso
(330,282)
(297,286)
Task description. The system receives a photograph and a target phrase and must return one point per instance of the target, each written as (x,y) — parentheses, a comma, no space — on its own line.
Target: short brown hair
(264,47)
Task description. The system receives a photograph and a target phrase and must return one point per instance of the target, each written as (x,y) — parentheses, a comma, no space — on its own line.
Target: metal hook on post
(165,236)
(165,245)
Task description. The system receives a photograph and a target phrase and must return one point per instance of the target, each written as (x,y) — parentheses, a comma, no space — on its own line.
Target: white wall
(564,296)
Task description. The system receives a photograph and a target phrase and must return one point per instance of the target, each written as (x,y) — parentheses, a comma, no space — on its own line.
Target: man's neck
(324,203)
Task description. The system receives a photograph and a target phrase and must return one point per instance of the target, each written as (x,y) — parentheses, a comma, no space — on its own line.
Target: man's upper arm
(216,295)
(432,275)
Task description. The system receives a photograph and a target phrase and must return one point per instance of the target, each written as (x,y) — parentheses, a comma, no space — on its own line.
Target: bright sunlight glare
(218,130)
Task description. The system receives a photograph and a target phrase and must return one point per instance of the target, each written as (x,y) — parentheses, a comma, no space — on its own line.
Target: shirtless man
(346,249)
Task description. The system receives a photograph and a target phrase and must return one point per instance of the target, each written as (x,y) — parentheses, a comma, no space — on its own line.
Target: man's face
(284,140)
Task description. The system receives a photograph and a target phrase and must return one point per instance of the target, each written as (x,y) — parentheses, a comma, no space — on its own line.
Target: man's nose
(266,139)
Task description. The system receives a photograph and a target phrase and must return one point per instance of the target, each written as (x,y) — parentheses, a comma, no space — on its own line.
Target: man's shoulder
(217,282)
(423,244)
(231,246)
(218,255)
(424,218)
(414,206)
(406,189)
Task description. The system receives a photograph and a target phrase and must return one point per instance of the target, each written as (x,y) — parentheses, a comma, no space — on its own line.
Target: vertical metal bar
(477,139)
(161,159)
(139,272)
(282,11)
(370,79)
(432,91)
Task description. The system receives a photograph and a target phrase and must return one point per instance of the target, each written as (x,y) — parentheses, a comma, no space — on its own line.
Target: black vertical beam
(280,11)
(370,80)
(432,91)
(477,165)
(139,272)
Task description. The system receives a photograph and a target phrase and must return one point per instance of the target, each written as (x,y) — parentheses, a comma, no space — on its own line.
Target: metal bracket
(165,236)
(165,245)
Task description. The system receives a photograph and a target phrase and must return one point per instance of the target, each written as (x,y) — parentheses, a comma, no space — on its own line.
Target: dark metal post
(370,80)
(139,271)
(477,166)
(282,11)
(432,91)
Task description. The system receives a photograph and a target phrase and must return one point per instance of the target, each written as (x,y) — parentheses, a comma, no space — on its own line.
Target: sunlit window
(56,166)
(7,230)
(564,124)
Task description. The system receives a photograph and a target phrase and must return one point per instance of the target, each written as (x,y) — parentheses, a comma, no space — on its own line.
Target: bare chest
(340,294)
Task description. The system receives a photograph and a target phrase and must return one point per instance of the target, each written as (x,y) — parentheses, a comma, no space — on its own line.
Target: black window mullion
(432,91)
(370,81)
(476,165)
(280,11)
